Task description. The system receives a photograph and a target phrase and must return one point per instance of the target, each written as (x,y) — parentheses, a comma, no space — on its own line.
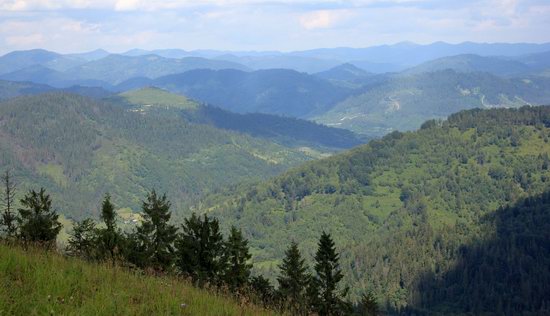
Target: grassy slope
(35,282)
(151,96)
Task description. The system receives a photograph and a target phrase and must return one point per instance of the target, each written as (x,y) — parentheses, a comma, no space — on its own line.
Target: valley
(424,168)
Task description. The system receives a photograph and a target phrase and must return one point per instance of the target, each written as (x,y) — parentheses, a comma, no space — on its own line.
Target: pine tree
(293,281)
(262,290)
(237,256)
(368,305)
(37,221)
(110,237)
(200,250)
(83,240)
(156,236)
(325,295)
(9,217)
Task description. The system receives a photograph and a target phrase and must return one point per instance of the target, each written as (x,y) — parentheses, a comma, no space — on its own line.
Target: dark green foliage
(285,130)
(327,297)
(401,207)
(155,236)
(237,258)
(79,148)
(506,274)
(368,306)
(294,279)
(83,240)
(8,218)
(37,220)
(200,249)
(262,291)
(110,237)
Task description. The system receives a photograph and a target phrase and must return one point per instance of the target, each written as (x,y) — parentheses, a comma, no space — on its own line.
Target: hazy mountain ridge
(403,102)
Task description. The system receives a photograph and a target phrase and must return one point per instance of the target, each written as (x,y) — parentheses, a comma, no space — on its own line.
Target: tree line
(196,249)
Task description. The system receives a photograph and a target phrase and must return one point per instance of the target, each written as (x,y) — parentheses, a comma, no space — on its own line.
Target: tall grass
(39,282)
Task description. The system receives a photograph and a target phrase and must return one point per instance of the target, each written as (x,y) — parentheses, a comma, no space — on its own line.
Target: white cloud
(119,25)
(323,19)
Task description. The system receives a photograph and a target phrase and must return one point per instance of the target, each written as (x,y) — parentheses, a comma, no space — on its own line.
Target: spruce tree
(368,305)
(262,290)
(37,221)
(109,237)
(237,256)
(293,281)
(156,235)
(200,249)
(9,217)
(83,240)
(325,295)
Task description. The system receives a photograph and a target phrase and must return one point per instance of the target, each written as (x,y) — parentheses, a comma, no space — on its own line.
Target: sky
(285,25)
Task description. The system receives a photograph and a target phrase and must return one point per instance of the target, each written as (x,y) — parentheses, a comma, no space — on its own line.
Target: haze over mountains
(426,163)
(334,86)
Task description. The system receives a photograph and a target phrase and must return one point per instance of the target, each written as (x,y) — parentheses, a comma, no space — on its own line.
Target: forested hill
(287,131)
(79,149)
(404,207)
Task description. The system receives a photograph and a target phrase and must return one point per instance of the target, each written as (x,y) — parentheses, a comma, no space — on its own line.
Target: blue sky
(119,25)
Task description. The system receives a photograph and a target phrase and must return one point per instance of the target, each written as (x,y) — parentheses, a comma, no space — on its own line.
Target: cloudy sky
(119,25)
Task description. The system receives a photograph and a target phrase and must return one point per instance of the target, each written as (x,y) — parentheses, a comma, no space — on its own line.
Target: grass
(39,282)
(157,97)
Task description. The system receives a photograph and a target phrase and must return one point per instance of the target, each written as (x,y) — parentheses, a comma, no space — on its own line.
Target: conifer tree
(9,217)
(83,240)
(37,221)
(156,235)
(200,249)
(293,281)
(237,256)
(262,290)
(368,305)
(325,295)
(109,237)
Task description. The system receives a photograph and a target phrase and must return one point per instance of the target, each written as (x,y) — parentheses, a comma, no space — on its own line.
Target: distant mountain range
(338,86)
(403,102)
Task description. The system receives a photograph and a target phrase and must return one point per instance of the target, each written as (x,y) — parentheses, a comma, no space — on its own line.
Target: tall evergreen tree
(9,217)
(293,281)
(326,297)
(200,249)
(110,237)
(38,222)
(368,306)
(156,235)
(237,256)
(83,240)
(262,290)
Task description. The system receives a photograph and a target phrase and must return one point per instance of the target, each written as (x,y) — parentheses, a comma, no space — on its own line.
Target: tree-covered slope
(12,89)
(402,207)
(79,149)
(38,282)
(291,132)
(275,91)
(513,261)
(498,66)
(403,102)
